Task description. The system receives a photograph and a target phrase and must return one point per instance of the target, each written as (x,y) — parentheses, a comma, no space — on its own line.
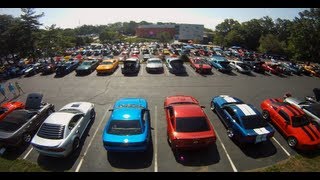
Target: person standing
(12,89)
(18,87)
(3,91)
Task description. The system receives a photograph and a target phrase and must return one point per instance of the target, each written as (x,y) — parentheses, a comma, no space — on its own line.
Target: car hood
(154,65)
(101,67)
(39,141)
(6,135)
(82,67)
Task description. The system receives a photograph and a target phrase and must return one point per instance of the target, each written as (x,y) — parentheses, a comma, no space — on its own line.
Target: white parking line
(28,153)
(166,70)
(155,140)
(192,70)
(281,146)
(231,163)
(141,69)
(86,151)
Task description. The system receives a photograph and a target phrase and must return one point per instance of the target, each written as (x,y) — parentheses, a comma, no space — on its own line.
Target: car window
(284,115)
(74,121)
(192,124)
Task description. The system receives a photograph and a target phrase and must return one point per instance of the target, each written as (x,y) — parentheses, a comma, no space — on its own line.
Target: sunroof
(75,105)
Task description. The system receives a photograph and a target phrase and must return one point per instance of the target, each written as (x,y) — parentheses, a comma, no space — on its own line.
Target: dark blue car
(128,128)
(244,122)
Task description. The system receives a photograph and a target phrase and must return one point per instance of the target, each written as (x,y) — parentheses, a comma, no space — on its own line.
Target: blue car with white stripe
(220,63)
(128,128)
(244,122)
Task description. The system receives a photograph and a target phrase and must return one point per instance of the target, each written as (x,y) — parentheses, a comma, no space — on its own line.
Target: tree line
(298,39)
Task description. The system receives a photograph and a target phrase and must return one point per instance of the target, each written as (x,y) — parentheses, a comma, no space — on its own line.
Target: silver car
(239,66)
(61,132)
(311,109)
(154,65)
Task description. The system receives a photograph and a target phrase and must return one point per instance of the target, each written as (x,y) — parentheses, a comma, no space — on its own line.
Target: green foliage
(164,37)
(271,44)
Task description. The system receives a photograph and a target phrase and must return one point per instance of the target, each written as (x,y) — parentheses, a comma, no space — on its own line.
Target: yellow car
(107,66)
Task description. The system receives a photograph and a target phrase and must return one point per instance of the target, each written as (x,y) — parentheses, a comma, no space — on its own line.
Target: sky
(209,17)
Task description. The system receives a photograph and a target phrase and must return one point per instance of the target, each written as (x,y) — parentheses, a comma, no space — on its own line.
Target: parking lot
(103,91)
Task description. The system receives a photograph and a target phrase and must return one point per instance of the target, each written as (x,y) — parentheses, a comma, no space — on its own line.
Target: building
(190,32)
(151,31)
(181,32)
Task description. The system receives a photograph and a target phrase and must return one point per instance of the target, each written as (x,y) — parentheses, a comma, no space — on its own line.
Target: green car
(87,67)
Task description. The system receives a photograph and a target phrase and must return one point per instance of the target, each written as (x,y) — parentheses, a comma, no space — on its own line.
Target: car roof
(180,98)
(244,110)
(188,110)
(61,118)
(126,114)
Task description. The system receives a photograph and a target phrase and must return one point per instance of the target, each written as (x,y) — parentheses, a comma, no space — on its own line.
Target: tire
(76,143)
(92,115)
(230,133)
(292,141)
(26,137)
(266,115)
(212,106)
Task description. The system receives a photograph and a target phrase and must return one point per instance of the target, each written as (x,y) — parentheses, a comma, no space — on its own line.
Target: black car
(130,66)
(49,68)
(19,126)
(256,66)
(64,68)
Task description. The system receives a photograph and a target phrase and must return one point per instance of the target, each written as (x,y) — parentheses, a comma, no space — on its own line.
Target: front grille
(51,131)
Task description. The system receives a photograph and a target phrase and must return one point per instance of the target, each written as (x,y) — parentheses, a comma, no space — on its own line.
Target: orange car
(8,107)
(107,66)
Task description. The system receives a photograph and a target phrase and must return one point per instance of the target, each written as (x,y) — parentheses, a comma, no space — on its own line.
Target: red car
(293,124)
(271,68)
(196,64)
(188,127)
(8,107)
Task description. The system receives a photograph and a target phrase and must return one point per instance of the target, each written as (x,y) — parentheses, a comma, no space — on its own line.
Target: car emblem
(195,142)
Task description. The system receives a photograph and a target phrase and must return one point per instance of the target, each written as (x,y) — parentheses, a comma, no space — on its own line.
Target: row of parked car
(59,133)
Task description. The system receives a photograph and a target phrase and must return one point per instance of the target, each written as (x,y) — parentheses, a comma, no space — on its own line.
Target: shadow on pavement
(12,153)
(260,150)
(200,157)
(131,160)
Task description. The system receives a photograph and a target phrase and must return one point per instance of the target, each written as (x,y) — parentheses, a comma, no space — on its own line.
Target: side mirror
(147,109)
(110,110)
(202,106)
(167,107)
(309,98)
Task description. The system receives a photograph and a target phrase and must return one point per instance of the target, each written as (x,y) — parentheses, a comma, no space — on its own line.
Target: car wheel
(212,106)
(266,115)
(230,133)
(76,143)
(292,141)
(92,115)
(26,137)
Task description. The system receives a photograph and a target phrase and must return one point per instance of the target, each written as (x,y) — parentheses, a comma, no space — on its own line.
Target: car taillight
(270,135)
(250,138)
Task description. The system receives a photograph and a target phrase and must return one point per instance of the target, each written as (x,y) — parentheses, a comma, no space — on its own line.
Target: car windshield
(73,111)
(86,63)
(106,62)
(219,58)
(314,109)
(252,122)
(124,127)
(8,126)
(3,110)
(192,124)
(224,64)
(155,61)
(298,121)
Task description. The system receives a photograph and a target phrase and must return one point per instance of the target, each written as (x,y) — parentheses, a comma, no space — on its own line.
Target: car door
(170,122)
(283,121)
(227,116)
(78,121)
(145,123)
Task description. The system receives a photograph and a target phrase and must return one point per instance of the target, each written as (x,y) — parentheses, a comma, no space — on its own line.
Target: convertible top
(18,117)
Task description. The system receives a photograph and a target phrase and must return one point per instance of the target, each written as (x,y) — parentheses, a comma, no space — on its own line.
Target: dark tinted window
(314,109)
(298,121)
(192,124)
(252,122)
(3,110)
(9,126)
(284,115)
(123,127)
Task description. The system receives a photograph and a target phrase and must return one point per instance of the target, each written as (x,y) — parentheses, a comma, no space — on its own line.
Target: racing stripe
(291,110)
(229,99)
(272,100)
(315,134)
(246,109)
(307,133)
(295,110)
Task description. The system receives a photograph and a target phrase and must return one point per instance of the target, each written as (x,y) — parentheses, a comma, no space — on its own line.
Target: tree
(271,44)
(164,37)
(305,34)
(29,24)
(109,36)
